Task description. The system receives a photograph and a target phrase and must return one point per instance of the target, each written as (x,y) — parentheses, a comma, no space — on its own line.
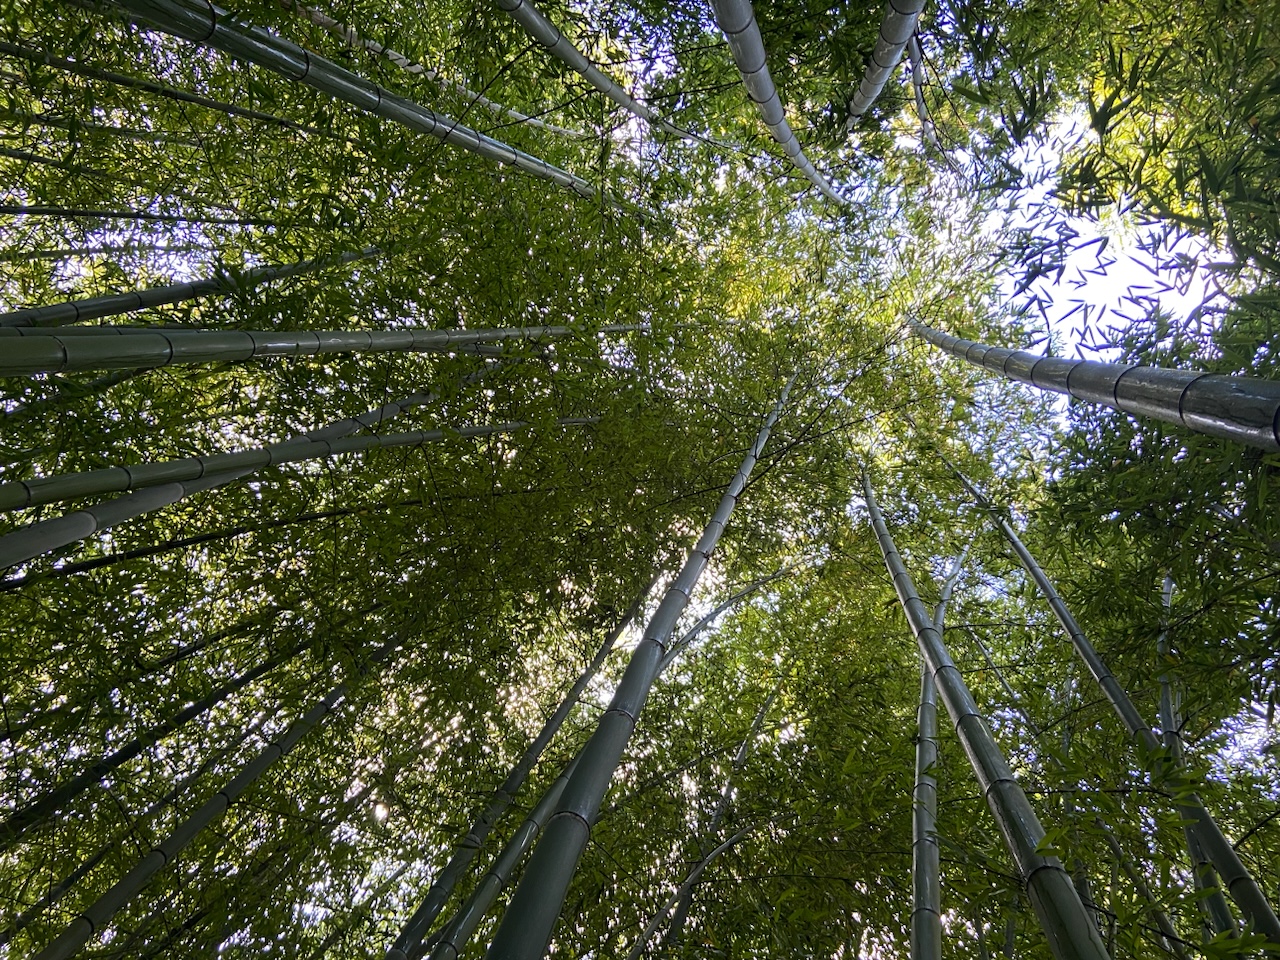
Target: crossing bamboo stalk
(535,906)
(443,885)
(207,24)
(115,304)
(737,20)
(897,28)
(1239,882)
(928,134)
(1070,932)
(1243,409)
(99,914)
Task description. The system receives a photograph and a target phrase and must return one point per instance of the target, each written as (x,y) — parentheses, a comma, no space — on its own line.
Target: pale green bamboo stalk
(1240,884)
(462,927)
(209,25)
(442,887)
(27,350)
(1244,409)
(103,910)
(737,20)
(928,134)
(1171,942)
(535,906)
(351,37)
(1070,933)
(115,304)
(896,28)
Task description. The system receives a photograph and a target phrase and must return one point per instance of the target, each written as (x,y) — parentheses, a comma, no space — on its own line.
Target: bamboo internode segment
(207,24)
(95,308)
(1244,409)
(896,29)
(535,906)
(1070,931)
(737,20)
(28,350)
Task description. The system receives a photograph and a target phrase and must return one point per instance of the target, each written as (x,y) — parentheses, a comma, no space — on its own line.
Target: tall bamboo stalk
(535,906)
(27,350)
(111,305)
(98,915)
(737,20)
(1070,932)
(896,28)
(1240,884)
(928,135)
(442,887)
(204,23)
(1244,409)
(696,630)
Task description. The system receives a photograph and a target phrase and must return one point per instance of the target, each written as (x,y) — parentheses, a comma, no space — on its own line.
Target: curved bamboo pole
(1240,884)
(535,906)
(1244,409)
(896,29)
(111,305)
(737,20)
(204,23)
(99,914)
(442,886)
(1068,928)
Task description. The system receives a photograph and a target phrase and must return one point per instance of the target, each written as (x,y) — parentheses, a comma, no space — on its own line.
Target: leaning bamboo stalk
(41,808)
(737,20)
(212,26)
(1240,884)
(535,906)
(1244,409)
(443,884)
(103,910)
(896,28)
(351,37)
(1070,932)
(28,350)
(146,216)
(358,914)
(928,133)
(1170,940)
(456,934)
(115,304)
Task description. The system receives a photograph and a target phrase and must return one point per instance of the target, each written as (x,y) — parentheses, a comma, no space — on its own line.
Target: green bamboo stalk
(358,913)
(1169,938)
(1243,409)
(351,37)
(1070,932)
(1213,904)
(928,134)
(112,305)
(442,887)
(100,913)
(50,122)
(896,28)
(79,69)
(210,25)
(28,350)
(80,213)
(459,930)
(1240,884)
(41,808)
(738,22)
(535,906)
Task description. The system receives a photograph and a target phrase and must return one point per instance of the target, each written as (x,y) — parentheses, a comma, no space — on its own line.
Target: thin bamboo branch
(1070,932)
(1243,409)
(896,28)
(927,132)
(535,906)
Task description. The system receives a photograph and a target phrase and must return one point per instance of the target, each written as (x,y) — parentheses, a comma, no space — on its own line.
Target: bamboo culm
(442,887)
(213,26)
(111,305)
(928,134)
(535,906)
(1068,928)
(28,350)
(896,28)
(1240,885)
(1243,409)
(459,930)
(737,20)
(101,912)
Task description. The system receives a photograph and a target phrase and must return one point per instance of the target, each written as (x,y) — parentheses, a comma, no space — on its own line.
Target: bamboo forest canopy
(477,478)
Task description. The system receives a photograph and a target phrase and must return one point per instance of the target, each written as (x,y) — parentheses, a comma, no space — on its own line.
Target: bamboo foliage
(535,906)
(897,28)
(1243,409)
(1067,926)
(737,20)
